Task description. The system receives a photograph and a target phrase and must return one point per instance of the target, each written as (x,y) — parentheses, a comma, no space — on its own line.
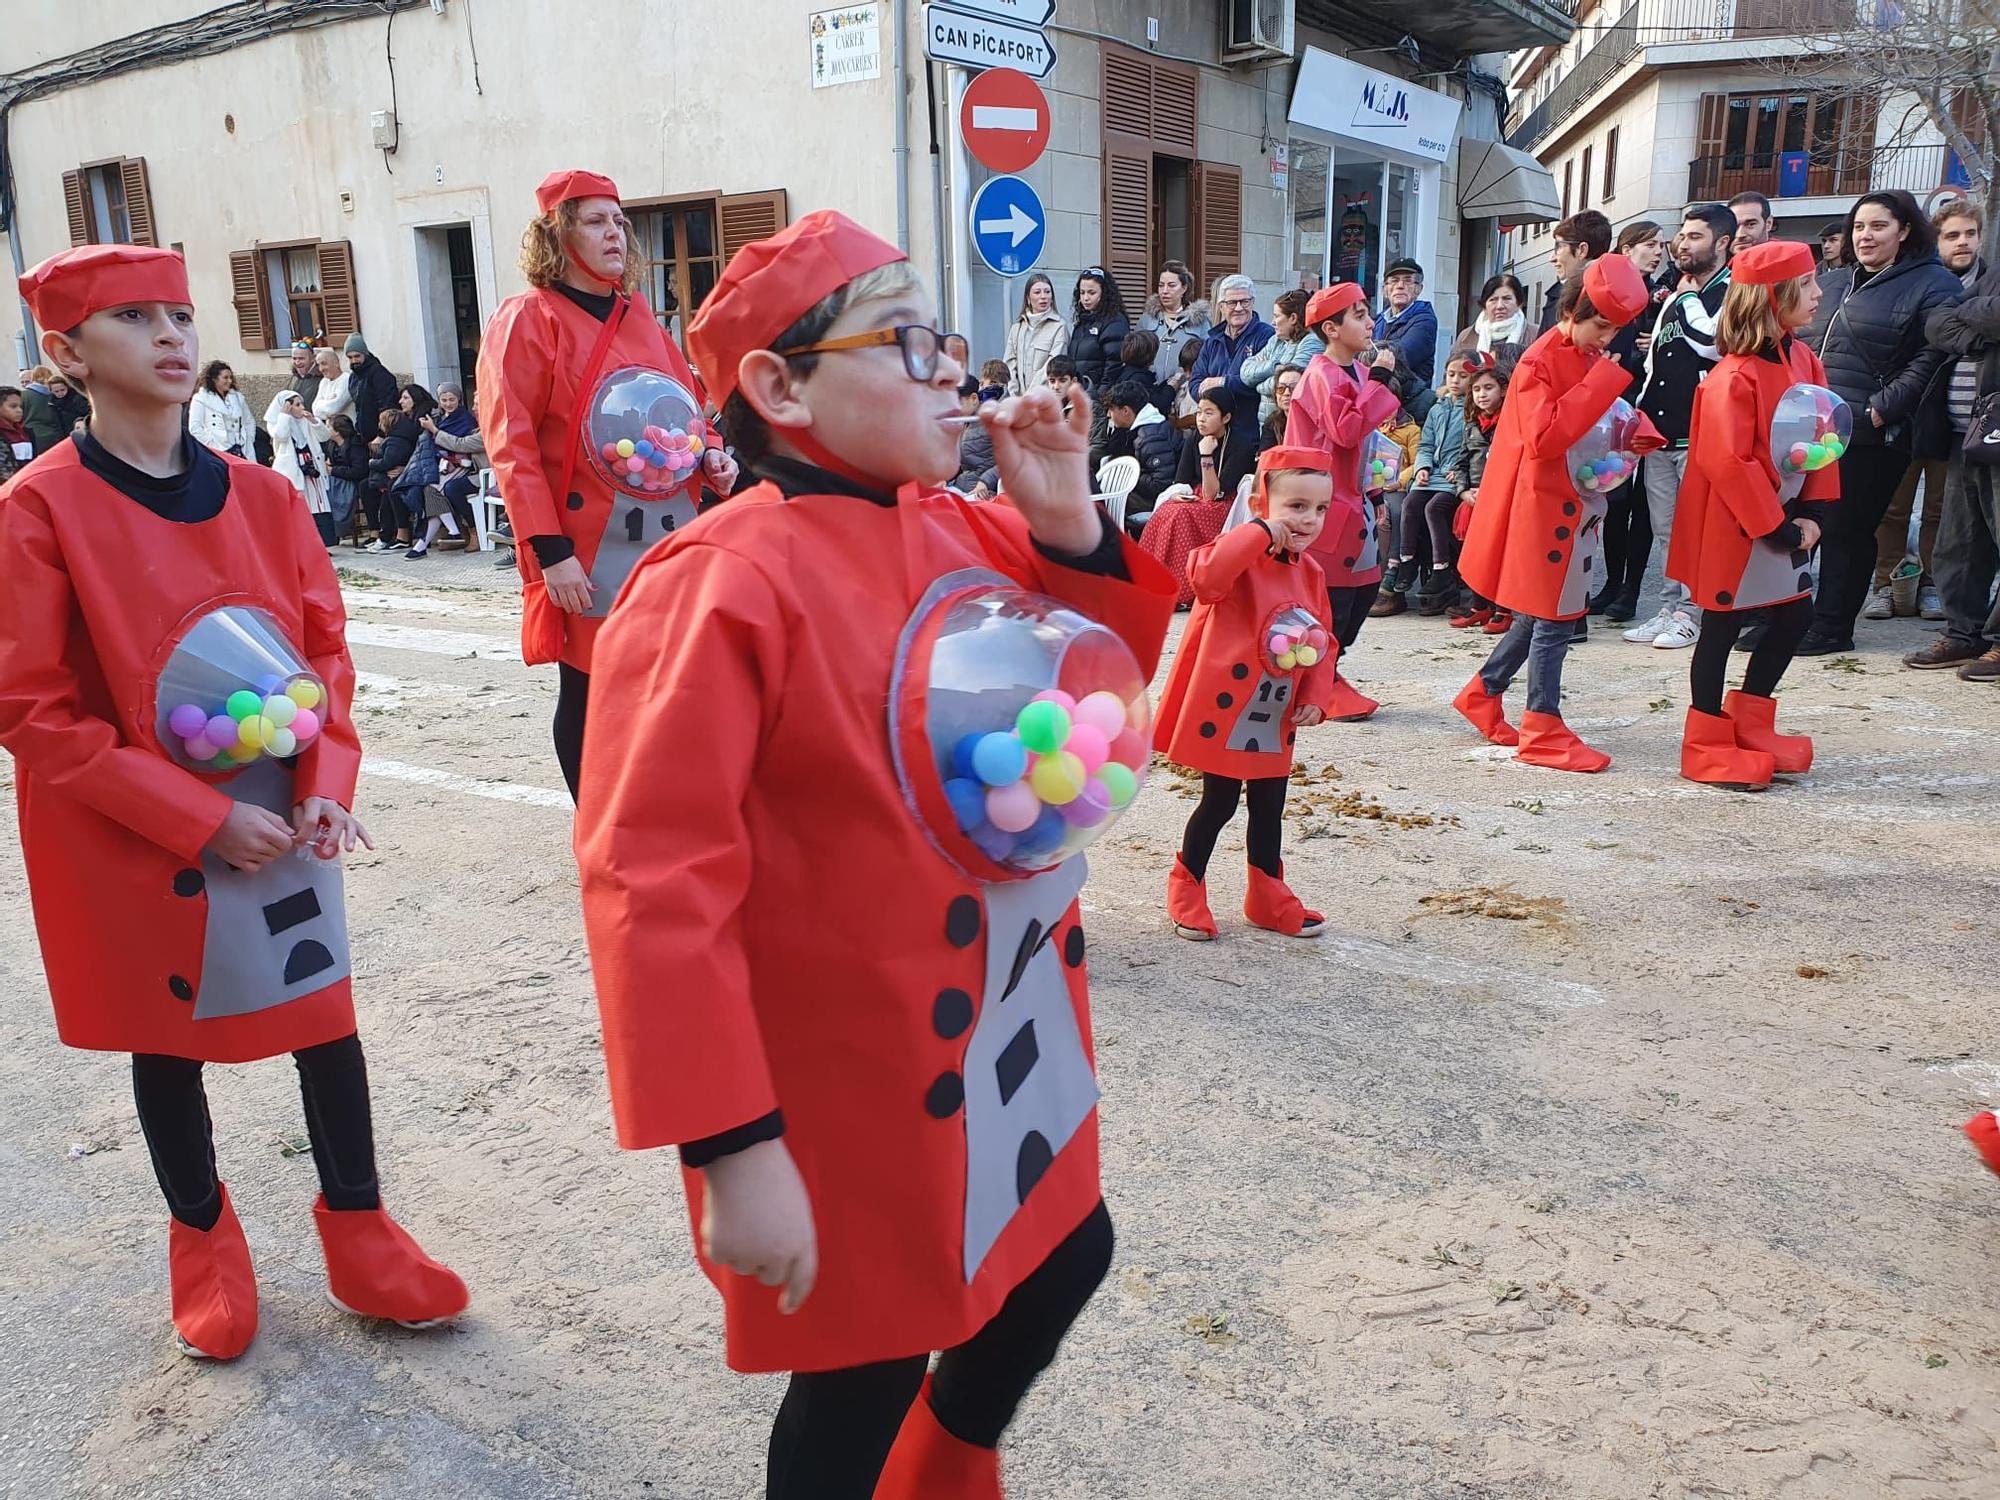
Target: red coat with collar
(531,364)
(1521,547)
(150,945)
(770,928)
(1334,412)
(1228,709)
(1729,498)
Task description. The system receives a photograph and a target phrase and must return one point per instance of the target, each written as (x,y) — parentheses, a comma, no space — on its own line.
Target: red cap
(560,187)
(1616,289)
(1332,301)
(1281,457)
(1772,262)
(771,284)
(65,289)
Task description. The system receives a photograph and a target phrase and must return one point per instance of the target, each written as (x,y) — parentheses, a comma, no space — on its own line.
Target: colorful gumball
(1057,778)
(282,742)
(1278,645)
(187,721)
(304,692)
(1088,744)
(198,747)
(1306,656)
(1046,836)
(242,704)
(1059,698)
(626,447)
(280,709)
(1286,660)
(991,842)
(1043,727)
(968,802)
(1130,750)
(1090,807)
(305,724)
(1012,809)
(961,755)
(1104,712)
(1119,784)
(250,732)
(999,759)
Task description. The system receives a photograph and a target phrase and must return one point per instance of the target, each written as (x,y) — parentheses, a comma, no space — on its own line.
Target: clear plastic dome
(1810,429)
(1602,459)
(234,689)
(644,433)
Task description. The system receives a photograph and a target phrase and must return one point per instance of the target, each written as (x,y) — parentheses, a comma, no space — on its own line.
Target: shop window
(1160,200)
(110,203)
(296,289)
(1351,215)
(683,244)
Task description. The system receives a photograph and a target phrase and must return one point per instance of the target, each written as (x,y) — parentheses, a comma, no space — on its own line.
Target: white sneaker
(1929,604)
(1645,634)
(1680,633)
(1881,604)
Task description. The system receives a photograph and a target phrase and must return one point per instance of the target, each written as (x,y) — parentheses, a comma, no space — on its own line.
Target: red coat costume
(532,362)
(150,944)
(1228,709)
(776,931)
(1532,536)
(1334,412)
(1730,498)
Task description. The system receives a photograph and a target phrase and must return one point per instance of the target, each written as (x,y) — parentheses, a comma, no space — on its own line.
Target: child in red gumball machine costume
(181,820)
(876,1067)
(1258,660)
(1534,534)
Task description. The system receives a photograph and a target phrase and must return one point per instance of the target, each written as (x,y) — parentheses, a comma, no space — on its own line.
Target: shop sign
(1347,101)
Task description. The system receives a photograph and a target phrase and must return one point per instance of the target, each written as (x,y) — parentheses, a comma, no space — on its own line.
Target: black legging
(834,1429)
(1868,479)
(1628,537)
(1266,838)
(572,705)
(1719,628)
(173,1114)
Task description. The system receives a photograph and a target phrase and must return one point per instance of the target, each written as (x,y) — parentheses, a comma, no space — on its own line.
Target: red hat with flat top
(1332,301)
(65,289)
(771,284)
(559,187)
(1616,289)
(1271,460)
(1772,262)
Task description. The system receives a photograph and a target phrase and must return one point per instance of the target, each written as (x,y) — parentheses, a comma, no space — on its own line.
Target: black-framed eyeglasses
(919,343)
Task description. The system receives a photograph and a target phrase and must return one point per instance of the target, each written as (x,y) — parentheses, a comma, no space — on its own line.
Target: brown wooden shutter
(1218,224)
(138,200)
(1176,109)
(246,280)
(1128,213)
(1127,93)
(744,218)
(337,293)
(76,199)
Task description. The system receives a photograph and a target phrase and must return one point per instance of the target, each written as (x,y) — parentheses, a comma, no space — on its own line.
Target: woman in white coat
(1039,334)
(219,416)
(295,454)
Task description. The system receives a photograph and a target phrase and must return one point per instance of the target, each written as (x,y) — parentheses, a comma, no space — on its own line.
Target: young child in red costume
(1739,542)
(1232,706)
(798,989)
(1336,406)
(1533,535)
(182,916)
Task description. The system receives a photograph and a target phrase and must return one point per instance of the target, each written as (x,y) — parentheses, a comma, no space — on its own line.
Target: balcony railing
(1840,174)
(1660,22)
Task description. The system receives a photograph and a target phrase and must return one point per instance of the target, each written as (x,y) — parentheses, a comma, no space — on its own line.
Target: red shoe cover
(1271,905)
(1755,719)
(1709,753)
(1187,900)
(1483,711)
(1498,624)
(1547,741)
(374,1268)
(1983,1130)
(1345,704)
(928,1463)
(1470,617)
(214,1289)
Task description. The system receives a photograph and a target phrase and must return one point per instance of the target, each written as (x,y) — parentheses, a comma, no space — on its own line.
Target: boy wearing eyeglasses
(785,965)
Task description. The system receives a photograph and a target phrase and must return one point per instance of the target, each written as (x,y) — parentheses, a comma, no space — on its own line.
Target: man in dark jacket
(369,383)
(1580,239)
(1407,323)
(1218,369)
(1682,352)
(43,421)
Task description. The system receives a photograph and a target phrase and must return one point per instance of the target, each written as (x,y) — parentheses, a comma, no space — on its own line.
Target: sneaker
(1930,605)
(1399,575)
(1881,604)
(505,559)
(416,552)
(1753,633)
(1945,651)
(1646,634)
(1986,669)
(1679,634)
(1816,644)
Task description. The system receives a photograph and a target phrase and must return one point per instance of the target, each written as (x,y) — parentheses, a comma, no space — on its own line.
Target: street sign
(1021,12)
(953,36)
(1008,225)
(1005,118)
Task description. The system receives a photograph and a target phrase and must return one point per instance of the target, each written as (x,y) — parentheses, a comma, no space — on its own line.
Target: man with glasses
(1218,369)
(1580,239)
(1407,323)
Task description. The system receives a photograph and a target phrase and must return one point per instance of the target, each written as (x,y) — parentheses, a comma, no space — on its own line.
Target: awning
(1495,181)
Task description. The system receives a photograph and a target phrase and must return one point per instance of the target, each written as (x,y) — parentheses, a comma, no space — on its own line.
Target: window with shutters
(1583,180)
(685,242)
(1610,161)
(1744,141)
(1160,200)
(292,290)
(110,203)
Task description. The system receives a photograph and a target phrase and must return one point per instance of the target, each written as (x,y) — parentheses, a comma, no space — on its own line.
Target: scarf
(1506,331)
(11,433)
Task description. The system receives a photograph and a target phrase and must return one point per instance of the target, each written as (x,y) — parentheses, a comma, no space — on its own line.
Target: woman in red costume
(182,915)
(798,989)
(1336,406)
(550,356)
(1233,704)
(1743,537)
(1533,535)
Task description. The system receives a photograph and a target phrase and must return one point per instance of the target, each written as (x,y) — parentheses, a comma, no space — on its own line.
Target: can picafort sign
(1349,102)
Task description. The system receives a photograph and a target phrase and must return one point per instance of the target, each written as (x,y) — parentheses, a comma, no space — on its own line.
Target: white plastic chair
(1239,510)
(487,507)
(1116,479)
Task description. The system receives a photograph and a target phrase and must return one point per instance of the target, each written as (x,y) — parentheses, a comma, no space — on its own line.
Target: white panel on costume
(1583,552)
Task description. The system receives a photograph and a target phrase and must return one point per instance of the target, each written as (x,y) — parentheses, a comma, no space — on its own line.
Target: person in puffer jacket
(1139,428)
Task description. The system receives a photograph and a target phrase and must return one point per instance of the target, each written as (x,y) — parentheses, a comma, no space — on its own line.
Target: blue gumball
(992,843)
(1045,834)
(968,802)
(961,755)
(999,759)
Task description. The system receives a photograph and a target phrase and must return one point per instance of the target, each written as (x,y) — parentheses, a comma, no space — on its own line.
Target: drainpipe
(902,102)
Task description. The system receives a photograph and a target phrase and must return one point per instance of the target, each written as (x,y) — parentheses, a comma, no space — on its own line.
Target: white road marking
(1981,1077)
(1440,970)
(432,642)
(379,690)
(424,604)
(497,791)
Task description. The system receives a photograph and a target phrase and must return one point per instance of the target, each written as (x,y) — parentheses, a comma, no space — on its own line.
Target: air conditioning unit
(1258,28)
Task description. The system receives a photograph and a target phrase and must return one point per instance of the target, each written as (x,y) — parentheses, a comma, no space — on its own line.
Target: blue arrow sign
(1008,225)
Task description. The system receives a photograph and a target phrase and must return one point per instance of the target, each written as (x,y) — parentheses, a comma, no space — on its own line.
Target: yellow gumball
(305,694)
(626,448)
(253,732)
(1306,656)
(1057,778)
(1287,660)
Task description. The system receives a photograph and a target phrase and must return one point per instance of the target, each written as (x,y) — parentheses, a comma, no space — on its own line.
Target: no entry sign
(1005,119)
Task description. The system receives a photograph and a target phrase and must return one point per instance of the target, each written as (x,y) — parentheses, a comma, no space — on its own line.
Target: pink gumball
(1316,638)
(305,724)
(609,452)
(1104,712)
(1089,745)
(1013,809)
(1059,698)
(635,464)
(198,747)
(1128,749)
